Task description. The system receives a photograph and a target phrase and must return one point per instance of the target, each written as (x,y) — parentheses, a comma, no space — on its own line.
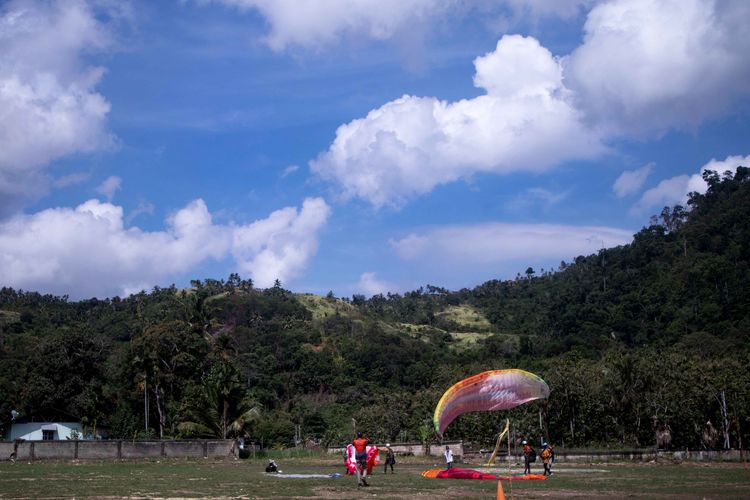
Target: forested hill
(651,335)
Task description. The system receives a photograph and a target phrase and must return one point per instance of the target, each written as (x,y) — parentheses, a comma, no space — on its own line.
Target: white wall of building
(33,431)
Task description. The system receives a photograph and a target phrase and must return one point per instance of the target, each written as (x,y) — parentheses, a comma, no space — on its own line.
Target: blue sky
(358,147)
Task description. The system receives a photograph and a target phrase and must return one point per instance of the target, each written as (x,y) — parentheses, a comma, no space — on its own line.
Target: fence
(626,456)
(115,449)
(221,448)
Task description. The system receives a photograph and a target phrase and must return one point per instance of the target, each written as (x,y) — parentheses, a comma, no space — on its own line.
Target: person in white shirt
(448,457)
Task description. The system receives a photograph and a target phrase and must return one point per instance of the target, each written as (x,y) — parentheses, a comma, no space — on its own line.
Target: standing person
(448,457)
(529,455)
(390,458)
(551,458)
(360,456)
(547,458)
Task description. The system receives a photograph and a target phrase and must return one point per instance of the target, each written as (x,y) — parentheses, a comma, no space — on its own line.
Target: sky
(352,146)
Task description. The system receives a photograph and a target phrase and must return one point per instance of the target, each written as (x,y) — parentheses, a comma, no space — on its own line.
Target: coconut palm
(220,407)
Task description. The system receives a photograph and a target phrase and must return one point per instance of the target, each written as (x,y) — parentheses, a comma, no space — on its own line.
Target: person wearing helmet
(360,455)
(390,458)
(547,458)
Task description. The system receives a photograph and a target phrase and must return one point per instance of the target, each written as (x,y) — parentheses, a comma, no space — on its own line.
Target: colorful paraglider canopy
(488,391)
(458,473)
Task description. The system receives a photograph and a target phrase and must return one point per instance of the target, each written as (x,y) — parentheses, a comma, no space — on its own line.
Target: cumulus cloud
(369,284)
(280,245)
(646,66)
(88,251)
(667,193)
(48,105)
(315,25)
(318,24)
(462,253)
(675,190)
(405,148)
(109,187)
(631,181)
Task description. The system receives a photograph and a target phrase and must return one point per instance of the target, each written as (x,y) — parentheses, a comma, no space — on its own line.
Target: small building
(45,431)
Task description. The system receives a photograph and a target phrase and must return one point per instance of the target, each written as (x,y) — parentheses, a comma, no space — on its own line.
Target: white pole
(145,398)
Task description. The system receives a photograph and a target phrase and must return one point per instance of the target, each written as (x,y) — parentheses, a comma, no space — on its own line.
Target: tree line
(639,341)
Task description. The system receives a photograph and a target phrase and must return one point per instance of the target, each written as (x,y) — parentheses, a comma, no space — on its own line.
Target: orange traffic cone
(500,492)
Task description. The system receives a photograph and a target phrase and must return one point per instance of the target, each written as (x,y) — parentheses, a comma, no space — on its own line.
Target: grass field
(245,479)
(466,316)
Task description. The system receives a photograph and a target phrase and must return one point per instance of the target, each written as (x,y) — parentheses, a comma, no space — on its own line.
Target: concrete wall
(648,456)
(114,449)
(98,449)
(222,448)
(627,456)
(219,448)
(183,449)
(141,449)
(54,449)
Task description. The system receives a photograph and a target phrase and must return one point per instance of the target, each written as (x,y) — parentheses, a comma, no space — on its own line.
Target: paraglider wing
(489,391)
(459,473)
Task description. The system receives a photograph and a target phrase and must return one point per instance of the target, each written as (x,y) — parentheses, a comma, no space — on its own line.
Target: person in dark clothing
(390,458)
(272,467)
(529,455)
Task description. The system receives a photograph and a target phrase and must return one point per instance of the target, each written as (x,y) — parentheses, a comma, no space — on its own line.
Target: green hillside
(650,335)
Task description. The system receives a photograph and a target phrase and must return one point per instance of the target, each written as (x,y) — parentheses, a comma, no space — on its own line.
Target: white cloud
(630,181)
(498,242)
(143,207)
(321,23)
(730,163)
(87,251)
(48,105)
(280,245)
(408,146)
(462,253)
(646,66)
(290,169)
(675,190)
(71,179)
(324,22)
(370,285)
(109,187)
(667,193)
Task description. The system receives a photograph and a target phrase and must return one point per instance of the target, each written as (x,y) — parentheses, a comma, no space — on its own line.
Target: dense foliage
(643,339)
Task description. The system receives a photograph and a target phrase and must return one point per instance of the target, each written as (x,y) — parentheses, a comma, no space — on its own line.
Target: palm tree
(220,407)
